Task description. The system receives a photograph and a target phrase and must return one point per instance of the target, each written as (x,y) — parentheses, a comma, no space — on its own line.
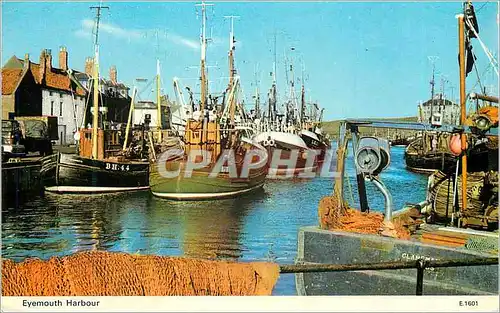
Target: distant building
(30,89)
(450,112)
(141,108)
(40,89)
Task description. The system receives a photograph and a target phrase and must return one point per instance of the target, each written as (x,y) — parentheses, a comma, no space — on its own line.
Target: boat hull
(200,185)
(482,157)
(301,166)
(21,177)
(69,173)
(321,145)
(429,163)
(336,247)
(281,146)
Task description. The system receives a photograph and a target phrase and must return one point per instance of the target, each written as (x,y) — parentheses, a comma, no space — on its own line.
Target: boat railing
(420,265)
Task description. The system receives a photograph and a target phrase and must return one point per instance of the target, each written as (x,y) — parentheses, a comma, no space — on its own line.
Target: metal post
(389,206)
(420,277)
(363,200)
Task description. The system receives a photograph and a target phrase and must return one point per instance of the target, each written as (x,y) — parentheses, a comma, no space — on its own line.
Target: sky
(358,59)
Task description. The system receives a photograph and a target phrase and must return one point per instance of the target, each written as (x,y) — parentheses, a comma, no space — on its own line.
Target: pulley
(372,155)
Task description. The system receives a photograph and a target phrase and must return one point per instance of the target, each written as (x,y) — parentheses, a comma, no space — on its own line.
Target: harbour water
(260,226)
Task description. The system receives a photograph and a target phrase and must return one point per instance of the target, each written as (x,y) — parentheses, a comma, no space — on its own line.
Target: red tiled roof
(35,70)
(10,79)
(54,78)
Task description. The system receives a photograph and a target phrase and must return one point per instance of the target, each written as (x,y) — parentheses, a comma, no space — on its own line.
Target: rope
(349,182)
(486,70)
(478,77)
(86,107)
(477,11)
(74,107)
(492,60)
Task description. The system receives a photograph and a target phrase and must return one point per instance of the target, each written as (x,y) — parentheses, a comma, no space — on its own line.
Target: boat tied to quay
(102,164)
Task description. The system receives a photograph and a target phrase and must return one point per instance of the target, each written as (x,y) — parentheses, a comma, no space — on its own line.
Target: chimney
(26,60)
(42,64)
(48,59)
(63,58)
(89,64)
(113,74)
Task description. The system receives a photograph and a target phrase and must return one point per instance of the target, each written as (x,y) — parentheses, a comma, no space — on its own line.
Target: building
(143,107)
(114,94)
(450,112)
(33,89)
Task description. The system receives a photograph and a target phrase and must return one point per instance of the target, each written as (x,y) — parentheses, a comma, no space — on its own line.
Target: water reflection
(135,223)
(211,229)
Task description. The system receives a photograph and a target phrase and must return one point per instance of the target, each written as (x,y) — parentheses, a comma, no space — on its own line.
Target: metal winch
(372,155)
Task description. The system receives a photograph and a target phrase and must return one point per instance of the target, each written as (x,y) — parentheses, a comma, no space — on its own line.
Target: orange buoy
(456,144)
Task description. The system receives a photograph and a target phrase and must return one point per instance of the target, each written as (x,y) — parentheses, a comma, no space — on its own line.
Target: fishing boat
(422,156)
(208,160)
(400,141)
(310,126)
(430,151)
(315,139)
(279,134)
(469,238)
(102,165)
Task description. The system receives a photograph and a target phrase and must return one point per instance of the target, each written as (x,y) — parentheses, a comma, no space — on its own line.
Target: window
(51,107)
(61,108)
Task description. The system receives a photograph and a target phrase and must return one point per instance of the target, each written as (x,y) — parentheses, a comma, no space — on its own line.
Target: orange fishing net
(334,215)
(120,274)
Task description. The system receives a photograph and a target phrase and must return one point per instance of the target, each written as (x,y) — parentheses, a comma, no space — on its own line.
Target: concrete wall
(52,103)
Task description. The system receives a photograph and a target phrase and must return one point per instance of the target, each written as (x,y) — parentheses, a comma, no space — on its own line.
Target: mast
(432,59)
(275,62)
(257,96)
(95,74)
(302,101)
(158,99)
(302,106)
(292,91)
(232,70)
(129,121)
(203,75)
(461,56)
(272,101)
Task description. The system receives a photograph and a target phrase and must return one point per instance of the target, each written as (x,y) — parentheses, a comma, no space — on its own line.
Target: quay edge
(319,246)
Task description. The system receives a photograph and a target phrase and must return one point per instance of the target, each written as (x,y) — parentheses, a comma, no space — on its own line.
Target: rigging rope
(492,60)
(86,107)
(477,11)
(75,119)
(469,108)
(478,77)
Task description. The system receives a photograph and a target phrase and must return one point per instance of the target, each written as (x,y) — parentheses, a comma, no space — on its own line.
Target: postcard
(186,156)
